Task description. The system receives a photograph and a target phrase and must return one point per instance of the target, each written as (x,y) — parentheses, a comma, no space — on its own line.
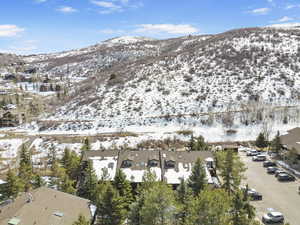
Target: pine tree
(261,141)
(38,181)
(88,188)
(276,143)
(209,207)
(71,163)
(191,144)
(200,144)
(231,169)
(242,211)
(158,206)
(197,181)
(124,188)
(13,185)
(86,145)
(81,221)
(25,169)
(66,185)
(183,197)
(110,207)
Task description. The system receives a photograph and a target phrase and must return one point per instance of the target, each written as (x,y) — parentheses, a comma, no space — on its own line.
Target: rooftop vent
(58,214)
(14,221)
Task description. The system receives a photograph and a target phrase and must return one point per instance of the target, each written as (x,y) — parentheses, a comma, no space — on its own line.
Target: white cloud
(260,11)
(285,19)
(112,6)
(66,9)
(40,1)
(167,28)
(292,6)
(108,6)
(10,30)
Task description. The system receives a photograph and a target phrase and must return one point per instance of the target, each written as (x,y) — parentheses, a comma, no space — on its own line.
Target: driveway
(281,196)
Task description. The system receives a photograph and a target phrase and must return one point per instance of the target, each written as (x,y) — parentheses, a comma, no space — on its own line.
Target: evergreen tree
(13,185)
(81,221)
(210,207)
(148,181)
(88,188)
(110,207)
(183,197)
(124,188)
(231,169)
(65,184)
(86,145)
(158,206)
(71,163)
(197,181)
(242,211)
(25,169)
(191,144)
(200,144)
(261,141)
(276,143)
(38,181)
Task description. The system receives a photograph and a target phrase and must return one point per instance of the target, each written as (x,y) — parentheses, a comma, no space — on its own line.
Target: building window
(169,164)
(153,163)
(126,164)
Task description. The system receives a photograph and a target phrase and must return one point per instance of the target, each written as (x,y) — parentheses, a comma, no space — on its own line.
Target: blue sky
(37,26)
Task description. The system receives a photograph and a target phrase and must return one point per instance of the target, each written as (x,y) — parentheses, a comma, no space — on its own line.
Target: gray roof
(291,139)
(100,153)
(48,206)
(140,158)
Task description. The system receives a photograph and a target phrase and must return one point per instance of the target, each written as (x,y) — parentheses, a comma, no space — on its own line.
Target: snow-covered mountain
(129,79)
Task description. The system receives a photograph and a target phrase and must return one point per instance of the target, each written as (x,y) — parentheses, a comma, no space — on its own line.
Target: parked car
(259,158)
(273,217)
(272,169)
(252,193)
(279,171)
(269,163)
(285,177)
(252,153)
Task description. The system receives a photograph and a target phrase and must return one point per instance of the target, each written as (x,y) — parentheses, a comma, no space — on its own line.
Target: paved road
(280,196)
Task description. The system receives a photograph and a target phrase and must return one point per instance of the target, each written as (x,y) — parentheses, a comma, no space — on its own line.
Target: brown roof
(292,139)
(40,211)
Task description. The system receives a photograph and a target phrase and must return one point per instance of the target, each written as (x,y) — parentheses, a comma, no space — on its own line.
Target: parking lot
(281,196)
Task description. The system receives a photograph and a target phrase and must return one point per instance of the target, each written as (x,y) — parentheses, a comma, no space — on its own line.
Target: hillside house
(292,140)
(170,166)
(45,206)
(11,118)
(135,163)
(178,165)
(103,162)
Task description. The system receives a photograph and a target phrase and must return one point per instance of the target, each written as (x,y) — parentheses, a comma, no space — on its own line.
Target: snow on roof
(174,177)
(136,176)
(184,171)
(101,163)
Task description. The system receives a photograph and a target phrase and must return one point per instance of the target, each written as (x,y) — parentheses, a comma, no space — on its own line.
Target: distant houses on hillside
(169,166)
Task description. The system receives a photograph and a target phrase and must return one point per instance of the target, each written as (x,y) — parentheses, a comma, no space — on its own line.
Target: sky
(43,26)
